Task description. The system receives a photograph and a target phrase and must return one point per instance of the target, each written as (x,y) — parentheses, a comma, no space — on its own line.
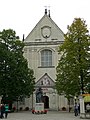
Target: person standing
(76,110)
(6,110)
(79,109)
(2,110)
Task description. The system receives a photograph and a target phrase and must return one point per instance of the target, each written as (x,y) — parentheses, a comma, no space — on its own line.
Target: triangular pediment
(45,81)
(36,34)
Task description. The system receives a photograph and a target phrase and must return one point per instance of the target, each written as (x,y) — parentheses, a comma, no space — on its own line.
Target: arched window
(46,58)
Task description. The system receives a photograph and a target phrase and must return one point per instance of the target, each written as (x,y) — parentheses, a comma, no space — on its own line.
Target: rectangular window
(46,58)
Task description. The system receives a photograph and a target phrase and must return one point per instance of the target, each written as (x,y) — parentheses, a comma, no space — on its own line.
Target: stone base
(39,106)
(85,115)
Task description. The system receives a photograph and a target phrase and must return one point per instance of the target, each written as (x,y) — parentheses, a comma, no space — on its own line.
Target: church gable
(45,81)
(45,29)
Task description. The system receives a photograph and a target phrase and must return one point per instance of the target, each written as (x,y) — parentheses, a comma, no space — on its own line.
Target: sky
(23,15)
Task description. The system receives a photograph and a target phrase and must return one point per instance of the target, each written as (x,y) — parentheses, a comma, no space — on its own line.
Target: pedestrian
(6,110)
(76,110)
(79,108)
(2,110)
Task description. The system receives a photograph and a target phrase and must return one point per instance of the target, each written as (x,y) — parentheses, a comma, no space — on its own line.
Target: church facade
(41,52)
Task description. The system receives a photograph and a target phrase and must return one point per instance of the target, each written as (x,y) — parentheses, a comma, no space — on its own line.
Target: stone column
(82,108)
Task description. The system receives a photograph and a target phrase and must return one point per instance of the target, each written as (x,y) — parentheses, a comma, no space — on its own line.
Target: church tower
(41,52)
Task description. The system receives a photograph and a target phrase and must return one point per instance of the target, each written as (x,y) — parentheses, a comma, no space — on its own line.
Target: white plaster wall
(62,102)
(32,54)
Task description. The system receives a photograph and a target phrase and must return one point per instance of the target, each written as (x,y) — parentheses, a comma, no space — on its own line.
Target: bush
(64,108)
(27,108)
(70,109)
(45,111)
(33,111)
(14,108)
(20,108)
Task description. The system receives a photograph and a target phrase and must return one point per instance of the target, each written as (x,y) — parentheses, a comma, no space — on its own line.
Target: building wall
(34,62)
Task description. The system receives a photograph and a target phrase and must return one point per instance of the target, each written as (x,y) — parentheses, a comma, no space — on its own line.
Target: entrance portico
(47,86)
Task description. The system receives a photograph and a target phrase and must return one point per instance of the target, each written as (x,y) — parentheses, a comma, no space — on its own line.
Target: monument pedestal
(39,109)
(39,106)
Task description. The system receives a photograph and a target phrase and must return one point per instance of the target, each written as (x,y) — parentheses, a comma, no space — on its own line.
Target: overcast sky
(23,15)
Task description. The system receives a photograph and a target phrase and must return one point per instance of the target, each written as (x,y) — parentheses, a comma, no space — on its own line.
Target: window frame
(46,58)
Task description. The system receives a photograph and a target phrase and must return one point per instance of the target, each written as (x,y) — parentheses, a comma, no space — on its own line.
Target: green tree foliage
(16,79)
(73,70)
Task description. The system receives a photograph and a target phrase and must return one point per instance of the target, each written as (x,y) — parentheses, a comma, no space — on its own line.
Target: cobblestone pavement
(51,115)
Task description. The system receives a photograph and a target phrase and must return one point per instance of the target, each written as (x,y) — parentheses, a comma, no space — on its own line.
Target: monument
(39,105)
(39,95)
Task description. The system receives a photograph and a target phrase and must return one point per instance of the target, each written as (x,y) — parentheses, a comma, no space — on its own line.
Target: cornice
(43,43)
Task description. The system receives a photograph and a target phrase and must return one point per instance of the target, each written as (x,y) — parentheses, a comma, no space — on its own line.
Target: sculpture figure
(39,95)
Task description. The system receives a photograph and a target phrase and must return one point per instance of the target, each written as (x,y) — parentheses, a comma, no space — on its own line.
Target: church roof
(36,33)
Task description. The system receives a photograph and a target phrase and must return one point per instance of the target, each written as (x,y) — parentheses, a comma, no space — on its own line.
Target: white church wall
(35,43)
(62,102)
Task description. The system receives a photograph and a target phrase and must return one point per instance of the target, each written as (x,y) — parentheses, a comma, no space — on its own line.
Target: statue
(39,95)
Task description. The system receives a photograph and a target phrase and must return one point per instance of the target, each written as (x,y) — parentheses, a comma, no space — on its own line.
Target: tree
(16,79)
(73,70)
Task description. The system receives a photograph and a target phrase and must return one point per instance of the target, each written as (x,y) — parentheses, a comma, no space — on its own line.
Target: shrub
(14,108)
(27,108)
(33,111)
(45,111)
(42,112)
(20,108)
(64,108)
(70,109)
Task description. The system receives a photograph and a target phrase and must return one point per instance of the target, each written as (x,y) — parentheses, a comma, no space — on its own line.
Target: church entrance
(46,101)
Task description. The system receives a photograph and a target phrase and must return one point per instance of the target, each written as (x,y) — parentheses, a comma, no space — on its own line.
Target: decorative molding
(45,81)
(46,67)
(37,39)
(32,50)
(43,43)
(46,31)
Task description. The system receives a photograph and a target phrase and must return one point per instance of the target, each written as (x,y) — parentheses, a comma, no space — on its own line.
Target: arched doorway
(46,101)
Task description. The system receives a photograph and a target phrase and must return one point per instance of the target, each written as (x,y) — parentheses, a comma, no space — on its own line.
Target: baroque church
(41,52)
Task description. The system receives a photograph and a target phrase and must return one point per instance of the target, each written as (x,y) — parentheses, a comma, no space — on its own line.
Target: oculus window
(46,58)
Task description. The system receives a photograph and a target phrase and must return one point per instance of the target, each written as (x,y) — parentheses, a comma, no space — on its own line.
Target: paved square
(51,115)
